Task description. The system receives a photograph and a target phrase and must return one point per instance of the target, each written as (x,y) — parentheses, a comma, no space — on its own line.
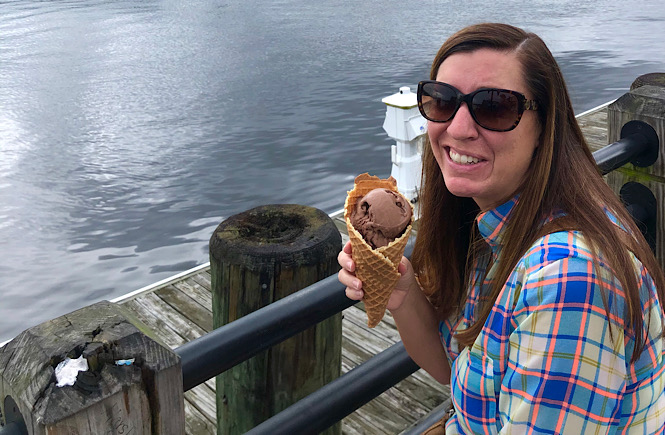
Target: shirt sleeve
(566,368)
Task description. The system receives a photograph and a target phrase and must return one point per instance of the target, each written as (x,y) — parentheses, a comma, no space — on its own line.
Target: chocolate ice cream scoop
(381,216)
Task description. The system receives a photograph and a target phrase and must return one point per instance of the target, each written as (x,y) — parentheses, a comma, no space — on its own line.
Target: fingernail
(349,265)
(356,284)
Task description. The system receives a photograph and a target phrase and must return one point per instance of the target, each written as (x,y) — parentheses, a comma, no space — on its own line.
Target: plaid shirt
(545,361)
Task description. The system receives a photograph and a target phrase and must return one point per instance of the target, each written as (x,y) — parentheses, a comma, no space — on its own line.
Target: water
(129,130)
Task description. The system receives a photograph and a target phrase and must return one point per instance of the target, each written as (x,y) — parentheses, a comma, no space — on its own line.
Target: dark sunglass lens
(495,109)
(439,102)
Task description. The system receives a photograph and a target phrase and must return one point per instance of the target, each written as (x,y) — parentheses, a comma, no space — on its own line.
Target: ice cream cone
(376,268)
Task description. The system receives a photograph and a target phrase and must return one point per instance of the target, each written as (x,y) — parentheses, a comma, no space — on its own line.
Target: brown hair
(562,176)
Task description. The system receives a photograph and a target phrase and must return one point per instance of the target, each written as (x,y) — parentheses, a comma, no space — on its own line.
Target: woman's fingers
(347,248)
(353,285)
(344,258)
(349,279)
(347,276)
(355,295)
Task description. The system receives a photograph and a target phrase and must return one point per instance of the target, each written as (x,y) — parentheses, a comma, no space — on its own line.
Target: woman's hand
(353,285)
(414,316)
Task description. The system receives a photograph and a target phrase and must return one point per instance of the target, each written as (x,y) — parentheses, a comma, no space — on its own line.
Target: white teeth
(460,158)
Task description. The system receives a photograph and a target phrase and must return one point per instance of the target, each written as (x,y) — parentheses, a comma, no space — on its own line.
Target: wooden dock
(179,310)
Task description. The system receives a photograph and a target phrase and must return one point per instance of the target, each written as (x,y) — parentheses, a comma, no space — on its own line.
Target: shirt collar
(491,223)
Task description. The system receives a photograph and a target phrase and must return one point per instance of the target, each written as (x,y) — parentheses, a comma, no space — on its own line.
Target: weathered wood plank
(187,306)
(185,327)
(594,128)
(146,315)
(196,423)
(202,398)
(386,330)
(203,279)
(383,416)
(359,423)
(196,291)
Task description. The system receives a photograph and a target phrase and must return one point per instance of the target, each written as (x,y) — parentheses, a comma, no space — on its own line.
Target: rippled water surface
(129,130)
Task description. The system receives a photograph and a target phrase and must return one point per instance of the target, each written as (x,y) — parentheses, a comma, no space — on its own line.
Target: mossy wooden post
(256,258)
(645,102)
(143,397)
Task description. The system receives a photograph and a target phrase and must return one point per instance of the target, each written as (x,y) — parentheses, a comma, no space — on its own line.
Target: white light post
(405,124)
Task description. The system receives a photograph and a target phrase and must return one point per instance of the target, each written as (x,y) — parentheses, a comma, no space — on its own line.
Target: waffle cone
(376,268)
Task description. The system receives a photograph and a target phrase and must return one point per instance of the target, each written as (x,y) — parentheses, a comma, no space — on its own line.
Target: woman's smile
(462,158)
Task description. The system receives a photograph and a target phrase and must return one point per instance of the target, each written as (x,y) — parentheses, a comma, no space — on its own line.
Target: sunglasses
(492,109)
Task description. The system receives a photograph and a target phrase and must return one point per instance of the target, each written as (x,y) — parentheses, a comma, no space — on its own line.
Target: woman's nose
(463,126)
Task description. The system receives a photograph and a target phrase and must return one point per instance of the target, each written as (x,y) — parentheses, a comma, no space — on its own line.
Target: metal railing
(638,145)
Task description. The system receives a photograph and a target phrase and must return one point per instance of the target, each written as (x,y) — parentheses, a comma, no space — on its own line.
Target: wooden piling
(143,395)
(645,102)
(256,258)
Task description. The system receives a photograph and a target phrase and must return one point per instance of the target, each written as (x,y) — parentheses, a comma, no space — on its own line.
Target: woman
(532,292)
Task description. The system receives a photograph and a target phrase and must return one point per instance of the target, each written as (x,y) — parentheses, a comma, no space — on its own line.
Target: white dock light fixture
(405,124)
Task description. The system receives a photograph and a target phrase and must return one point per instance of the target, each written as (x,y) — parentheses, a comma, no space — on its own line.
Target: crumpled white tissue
(66,371)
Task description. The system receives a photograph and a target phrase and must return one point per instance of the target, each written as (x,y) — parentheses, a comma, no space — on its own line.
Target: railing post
(256,258)
(126,382)
(644,102)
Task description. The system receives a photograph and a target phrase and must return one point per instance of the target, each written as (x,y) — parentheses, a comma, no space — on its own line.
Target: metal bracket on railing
(638,145)
(642,206)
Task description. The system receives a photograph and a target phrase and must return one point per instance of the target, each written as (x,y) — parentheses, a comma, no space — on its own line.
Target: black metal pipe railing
(638,145)
(235,342)
(344,395)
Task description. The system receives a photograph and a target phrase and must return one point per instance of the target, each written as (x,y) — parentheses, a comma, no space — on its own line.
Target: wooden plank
(594,128)
(203,279)
(197,292)
(384,418)
(358,424)
(188,307)
(163,330)
(170,316)
(384,330)
(196,423)
(202,398)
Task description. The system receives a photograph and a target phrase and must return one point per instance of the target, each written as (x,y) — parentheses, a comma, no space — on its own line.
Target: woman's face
(485,165)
